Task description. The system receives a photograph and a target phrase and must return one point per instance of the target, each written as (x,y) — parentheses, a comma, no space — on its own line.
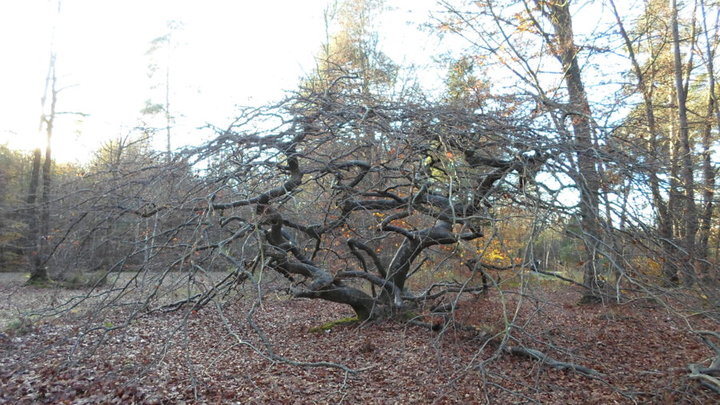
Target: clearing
(641,351)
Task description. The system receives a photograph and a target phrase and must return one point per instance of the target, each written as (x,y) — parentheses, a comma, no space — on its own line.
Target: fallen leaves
(173,358)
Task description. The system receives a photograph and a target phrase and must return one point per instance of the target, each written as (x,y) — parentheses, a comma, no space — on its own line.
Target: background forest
(557,177)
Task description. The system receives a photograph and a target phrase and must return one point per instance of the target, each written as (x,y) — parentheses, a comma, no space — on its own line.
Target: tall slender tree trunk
(39,221)
(708,188)
(690,220)
(33,235)
(168,116)
(708,167)
(675,198)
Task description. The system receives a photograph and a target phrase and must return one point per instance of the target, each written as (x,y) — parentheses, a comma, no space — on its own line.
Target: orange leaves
(525,24)
(444,27)
(451,25)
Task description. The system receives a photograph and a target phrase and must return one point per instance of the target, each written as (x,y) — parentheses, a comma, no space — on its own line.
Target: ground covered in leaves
(276,351)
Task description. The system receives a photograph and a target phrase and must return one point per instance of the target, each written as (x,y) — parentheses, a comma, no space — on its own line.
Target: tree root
(544,358)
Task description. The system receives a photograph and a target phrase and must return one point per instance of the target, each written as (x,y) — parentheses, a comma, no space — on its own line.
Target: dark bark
(33,220)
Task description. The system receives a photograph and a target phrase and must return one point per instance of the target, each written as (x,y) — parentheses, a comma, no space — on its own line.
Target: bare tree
(39,212)
(386,214)
(343,193)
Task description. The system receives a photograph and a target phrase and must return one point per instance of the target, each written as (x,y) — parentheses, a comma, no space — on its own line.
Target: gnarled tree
(297,196)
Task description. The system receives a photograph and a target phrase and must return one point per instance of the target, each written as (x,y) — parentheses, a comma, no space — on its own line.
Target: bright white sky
(228,53)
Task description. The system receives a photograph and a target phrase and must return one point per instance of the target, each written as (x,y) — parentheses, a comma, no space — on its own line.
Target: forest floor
(640,349)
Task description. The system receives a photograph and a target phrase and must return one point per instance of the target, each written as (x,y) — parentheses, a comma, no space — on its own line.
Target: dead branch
(545,359)
(708,375)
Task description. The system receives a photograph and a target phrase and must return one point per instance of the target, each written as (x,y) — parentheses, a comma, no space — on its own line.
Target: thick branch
(364,305)
(416,242)
(389,286)
(354,244)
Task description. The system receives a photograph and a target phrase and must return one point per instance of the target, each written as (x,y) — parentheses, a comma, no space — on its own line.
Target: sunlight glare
(226,54)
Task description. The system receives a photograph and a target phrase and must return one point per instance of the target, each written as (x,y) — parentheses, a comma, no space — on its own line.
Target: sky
(225,54)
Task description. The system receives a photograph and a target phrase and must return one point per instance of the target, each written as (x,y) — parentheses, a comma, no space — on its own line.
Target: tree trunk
(673,227)
(587,178)
(690,220)
(39,214)
(39,271)
(33,236)
(708,167)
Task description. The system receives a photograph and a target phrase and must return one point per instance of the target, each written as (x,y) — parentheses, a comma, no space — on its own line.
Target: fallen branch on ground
(544,358)
(708,375)
(707,381)
(177,304)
